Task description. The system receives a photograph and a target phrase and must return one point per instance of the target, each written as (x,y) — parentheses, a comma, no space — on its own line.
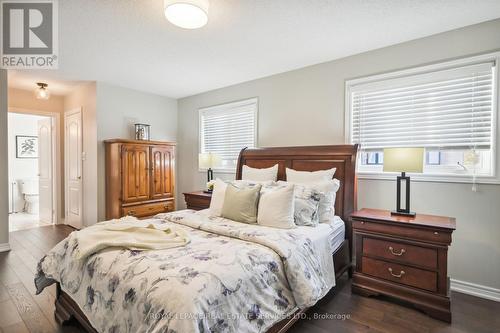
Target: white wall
(20,168)
(4,197)
(118,109)
(306,107)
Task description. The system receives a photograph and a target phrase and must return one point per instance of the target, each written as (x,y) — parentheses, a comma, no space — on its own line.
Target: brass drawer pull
(396,275)
(400,253)
(131,213)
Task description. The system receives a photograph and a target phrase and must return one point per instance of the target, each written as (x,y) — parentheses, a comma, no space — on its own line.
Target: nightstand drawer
(401,252)
(406,231)
(406,275)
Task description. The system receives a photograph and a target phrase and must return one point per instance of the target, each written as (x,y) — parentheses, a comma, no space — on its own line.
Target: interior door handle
(79,177)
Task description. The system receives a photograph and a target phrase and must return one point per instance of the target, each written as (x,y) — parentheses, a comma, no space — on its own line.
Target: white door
(45,170)
(73,167)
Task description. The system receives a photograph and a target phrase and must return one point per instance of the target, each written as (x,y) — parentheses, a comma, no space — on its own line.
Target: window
(449,109)
(226,129)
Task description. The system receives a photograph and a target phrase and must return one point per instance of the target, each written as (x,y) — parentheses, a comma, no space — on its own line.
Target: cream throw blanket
(129,233)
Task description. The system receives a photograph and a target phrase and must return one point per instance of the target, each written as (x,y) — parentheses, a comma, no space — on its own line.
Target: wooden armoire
(140,178)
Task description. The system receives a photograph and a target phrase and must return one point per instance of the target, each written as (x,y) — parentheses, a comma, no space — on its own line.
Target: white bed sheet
(332,232)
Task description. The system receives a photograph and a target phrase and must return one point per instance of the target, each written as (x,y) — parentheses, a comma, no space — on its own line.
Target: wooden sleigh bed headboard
(312,158)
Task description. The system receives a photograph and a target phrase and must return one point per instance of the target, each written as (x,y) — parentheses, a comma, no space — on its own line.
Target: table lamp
(403,160)
(209,161)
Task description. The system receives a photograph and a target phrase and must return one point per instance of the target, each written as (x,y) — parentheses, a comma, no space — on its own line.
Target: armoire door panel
(162,172)
(135,173)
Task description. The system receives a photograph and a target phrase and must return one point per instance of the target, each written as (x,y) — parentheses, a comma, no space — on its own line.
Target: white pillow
(253,174)
(327,190)
(217,200)
(294,176)
(277,206)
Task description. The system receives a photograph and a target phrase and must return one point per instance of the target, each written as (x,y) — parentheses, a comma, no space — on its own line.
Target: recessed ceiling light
(187,14)
(42,92)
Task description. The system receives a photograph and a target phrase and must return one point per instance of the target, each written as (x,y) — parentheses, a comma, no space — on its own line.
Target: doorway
(32,148)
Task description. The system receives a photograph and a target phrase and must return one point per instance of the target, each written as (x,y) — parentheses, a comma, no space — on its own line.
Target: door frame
(69,113)
(56,156)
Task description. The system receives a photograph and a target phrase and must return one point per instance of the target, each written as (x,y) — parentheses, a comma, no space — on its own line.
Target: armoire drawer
(146,210)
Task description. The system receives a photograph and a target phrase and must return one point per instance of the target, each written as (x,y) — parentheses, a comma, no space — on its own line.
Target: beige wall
(306,107)
(4,164)
(84,97)
(118,110)
(24,101)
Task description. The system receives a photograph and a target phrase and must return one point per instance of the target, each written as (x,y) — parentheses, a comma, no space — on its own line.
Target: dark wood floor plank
(16,328)
(28,310)
(24,253)
(7,275)
(4,295)
(8,314)
(44,300)
(35,251)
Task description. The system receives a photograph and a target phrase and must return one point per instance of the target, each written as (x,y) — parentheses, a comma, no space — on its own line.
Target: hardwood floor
(23,311)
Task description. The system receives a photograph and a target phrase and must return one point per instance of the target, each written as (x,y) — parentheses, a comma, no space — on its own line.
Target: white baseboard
(475,290)
(4,247)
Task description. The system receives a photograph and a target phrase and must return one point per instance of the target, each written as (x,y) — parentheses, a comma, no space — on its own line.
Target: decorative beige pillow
(241,204)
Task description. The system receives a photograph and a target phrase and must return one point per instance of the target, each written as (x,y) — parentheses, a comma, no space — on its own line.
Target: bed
(342,157)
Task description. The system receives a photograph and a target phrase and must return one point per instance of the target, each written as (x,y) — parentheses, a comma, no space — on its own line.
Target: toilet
(29,190)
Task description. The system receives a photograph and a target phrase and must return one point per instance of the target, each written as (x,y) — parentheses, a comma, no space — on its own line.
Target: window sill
(430,178)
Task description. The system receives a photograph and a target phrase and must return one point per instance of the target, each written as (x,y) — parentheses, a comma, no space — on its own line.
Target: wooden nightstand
(197,200)
(403,257)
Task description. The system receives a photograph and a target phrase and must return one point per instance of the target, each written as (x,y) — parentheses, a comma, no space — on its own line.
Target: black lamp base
(400,210)
(411,214)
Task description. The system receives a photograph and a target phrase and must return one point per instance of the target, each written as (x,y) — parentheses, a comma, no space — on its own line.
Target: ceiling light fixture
(187,14)
(42,92)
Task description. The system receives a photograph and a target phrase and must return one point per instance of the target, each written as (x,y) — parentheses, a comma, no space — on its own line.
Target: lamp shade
(404,160)
(209,160)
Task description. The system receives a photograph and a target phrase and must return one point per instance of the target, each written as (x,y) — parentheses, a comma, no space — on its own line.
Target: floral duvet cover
(231,277)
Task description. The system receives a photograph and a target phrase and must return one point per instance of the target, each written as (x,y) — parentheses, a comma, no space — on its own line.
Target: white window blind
(450,108)
(226,129)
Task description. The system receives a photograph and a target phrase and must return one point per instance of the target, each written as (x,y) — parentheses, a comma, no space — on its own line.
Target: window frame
(434,177)
(217,107)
